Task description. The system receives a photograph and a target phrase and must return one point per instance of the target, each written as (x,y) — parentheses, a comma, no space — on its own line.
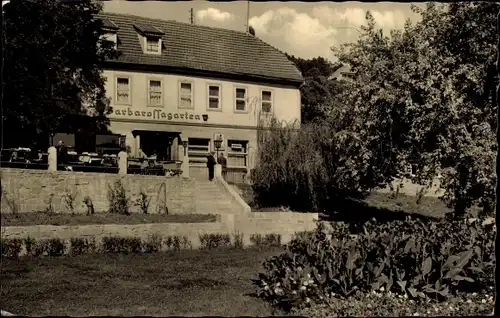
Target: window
(153,45)
(267,101)
(197,150)
(185,95)
(123,90)
(155,93)
(237,153)
(110,37)
(241,101)
(213,97)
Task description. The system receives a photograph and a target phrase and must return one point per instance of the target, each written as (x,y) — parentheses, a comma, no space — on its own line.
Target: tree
(52,76)
(428,90)
(318,89)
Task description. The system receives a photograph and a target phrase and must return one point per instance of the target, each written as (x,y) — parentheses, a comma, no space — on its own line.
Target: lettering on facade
(157,114)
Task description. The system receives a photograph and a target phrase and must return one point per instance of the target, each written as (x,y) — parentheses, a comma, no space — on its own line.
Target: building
(177,82)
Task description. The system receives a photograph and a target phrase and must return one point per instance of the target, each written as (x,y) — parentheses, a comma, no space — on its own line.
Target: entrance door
(159,143)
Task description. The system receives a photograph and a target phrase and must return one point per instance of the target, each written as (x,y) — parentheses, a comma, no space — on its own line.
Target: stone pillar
(52,159)
(185,162)
(218,170)
(137,145)
(175,149)
(122,162)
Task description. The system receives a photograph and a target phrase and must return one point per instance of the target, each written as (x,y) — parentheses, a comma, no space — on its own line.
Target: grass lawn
(376,204)
(187,283)
(24,219)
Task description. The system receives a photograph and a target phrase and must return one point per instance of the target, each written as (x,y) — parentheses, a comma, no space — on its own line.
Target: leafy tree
(428,92)
(52,79)
(423,95)
(318,89)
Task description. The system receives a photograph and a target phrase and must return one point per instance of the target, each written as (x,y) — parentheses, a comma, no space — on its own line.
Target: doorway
(158,143)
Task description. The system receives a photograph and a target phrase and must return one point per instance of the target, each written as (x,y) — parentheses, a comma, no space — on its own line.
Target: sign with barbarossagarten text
(157,114)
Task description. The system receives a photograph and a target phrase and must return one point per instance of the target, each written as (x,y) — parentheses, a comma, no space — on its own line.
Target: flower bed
(391,305)
(417,259)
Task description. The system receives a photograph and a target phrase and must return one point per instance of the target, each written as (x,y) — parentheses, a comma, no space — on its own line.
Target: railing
(235,174)
(24,165)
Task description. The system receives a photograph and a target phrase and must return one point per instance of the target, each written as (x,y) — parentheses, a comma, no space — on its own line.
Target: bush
(79,246)
(238,241)
(118,201)
(55,247)
(212,241)
(153,243)
(269,240)
(126,245)
(29,243)
(40,248)
(11,248)
(143,202)
(69,199)
(307,169)
(415,258)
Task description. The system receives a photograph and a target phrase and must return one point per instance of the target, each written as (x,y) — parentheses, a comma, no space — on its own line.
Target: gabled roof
(109,25)
(148,29)
(201,48)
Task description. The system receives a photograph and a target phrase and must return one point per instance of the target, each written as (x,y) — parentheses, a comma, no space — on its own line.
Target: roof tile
(202,48)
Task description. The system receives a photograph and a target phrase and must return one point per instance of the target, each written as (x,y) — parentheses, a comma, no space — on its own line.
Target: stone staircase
(211,198)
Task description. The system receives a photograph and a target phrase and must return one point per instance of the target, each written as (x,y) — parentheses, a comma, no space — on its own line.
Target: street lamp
(217,144)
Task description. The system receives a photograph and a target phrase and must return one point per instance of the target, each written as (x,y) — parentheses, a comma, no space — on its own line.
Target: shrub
(238,241)
(118,201)
(176,243)
(268,240)
(13,202)
(415,258)
(125,245)
(11,248)
(79,246)
(306,169)
(186,244)
(90,206)
(143,202)
(49,210)
(212,241)
(153,243)
(55,247)
(40,248)
(29,243)
(69,199)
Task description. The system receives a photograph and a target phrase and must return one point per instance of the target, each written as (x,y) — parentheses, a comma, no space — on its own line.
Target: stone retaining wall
(32,189)
(283,223)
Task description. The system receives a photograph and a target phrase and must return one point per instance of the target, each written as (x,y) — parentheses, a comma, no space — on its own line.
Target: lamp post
(185,145)
(217,144)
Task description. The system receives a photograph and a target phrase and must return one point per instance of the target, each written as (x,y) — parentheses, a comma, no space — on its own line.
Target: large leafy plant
(416,258)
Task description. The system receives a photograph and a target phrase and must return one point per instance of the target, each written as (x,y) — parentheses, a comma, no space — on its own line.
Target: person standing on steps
(211,165)
(223,162)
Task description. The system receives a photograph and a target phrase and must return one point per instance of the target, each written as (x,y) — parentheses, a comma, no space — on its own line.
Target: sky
(304,29)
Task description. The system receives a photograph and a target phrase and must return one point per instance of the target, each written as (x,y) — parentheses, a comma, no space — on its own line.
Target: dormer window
(111,38)
(151,37)
(153,45)
(109,28)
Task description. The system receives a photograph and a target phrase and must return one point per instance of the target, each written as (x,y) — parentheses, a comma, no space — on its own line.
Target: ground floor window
(198,149)
(237,154)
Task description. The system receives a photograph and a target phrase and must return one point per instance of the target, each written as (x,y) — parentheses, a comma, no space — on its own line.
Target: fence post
(122,162)
(52,158)
(185,164)
(218,170)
